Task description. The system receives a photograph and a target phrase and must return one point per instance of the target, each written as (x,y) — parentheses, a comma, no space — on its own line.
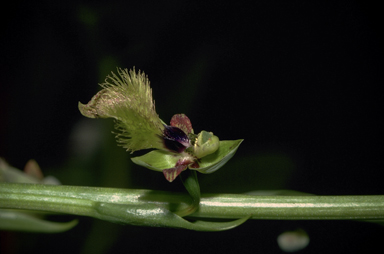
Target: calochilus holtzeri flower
(127,97)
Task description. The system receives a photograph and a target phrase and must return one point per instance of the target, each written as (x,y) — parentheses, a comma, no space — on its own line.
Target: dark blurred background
(298,80)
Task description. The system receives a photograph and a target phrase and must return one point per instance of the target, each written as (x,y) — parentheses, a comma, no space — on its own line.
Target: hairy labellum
(127,97)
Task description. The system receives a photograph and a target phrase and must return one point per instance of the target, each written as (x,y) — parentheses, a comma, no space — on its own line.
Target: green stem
(90,201)
(191,184)
(292,207)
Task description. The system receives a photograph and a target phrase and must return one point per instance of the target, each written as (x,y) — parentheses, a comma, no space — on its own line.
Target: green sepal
(159,160)
(20,221)
(213,162)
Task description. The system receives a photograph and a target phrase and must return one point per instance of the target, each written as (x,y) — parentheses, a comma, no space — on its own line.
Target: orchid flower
(127,97)
(24,220)
(31,174)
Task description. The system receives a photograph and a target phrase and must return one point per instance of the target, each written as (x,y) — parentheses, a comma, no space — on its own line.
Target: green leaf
(213,162)
(20,221)
(159,160)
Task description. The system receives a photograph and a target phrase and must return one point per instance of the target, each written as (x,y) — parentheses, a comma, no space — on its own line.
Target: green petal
(159,160)
(171,173)
(213,162)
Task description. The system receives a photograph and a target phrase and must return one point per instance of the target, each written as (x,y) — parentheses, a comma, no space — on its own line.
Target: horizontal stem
(83,200)
(292,207)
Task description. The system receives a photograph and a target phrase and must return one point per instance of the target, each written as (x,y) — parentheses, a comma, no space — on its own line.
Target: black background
(298,80)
